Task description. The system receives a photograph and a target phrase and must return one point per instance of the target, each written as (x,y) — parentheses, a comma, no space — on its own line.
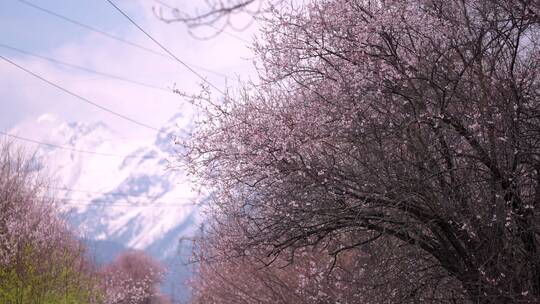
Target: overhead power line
(120,194)
(104,203)
(18,137)
(79,97)
(33,84)
(85,69)
(88,27)
(187,66)
(103,33)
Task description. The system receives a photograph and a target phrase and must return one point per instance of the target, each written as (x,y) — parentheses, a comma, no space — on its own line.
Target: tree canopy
(414,124)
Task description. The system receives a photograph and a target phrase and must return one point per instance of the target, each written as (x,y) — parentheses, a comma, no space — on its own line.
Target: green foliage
(59,278)
(41,261)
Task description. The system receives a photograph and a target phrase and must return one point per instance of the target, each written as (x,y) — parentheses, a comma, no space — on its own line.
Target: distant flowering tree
(40,260)
(133,278)
(418,121)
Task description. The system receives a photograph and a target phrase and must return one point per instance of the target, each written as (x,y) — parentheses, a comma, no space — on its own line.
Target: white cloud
(47,117)
(25,97)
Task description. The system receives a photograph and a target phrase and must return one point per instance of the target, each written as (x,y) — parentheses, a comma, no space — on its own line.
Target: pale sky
(30,106)
(24,98)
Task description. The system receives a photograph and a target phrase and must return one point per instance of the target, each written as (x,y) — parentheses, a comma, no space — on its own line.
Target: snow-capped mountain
(119,193)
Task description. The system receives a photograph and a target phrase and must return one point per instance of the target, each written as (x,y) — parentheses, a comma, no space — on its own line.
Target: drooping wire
(18,137)
(104,203)
(85,69)
(103,33)
(86,100)
(120,194)
(187,66)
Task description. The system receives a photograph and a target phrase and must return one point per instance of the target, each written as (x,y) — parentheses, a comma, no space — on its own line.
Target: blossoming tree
(41,261)
(411,121)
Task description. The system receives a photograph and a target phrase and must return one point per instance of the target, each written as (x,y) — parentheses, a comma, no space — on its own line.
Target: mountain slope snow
(119,193)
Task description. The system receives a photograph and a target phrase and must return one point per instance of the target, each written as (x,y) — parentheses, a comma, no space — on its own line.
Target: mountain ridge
(117,203)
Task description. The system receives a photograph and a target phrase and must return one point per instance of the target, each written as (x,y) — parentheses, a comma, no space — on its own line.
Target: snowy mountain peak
(115,190)
(118,193)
